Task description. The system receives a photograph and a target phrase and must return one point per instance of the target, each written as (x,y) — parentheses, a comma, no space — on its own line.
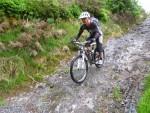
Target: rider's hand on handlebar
(88,43)
(73,41)
(92,40)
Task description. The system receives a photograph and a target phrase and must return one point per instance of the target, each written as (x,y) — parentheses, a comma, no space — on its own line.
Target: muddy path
(115,88)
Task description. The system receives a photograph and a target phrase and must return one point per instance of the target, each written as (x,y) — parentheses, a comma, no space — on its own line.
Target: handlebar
(83,43)
(80,43)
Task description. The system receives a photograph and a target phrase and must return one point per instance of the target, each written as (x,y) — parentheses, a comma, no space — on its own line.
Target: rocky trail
(115,88)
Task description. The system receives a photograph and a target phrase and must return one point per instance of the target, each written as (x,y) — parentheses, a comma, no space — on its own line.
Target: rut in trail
(127,62)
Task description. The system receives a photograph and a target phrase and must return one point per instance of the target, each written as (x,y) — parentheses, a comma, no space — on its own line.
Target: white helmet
(84,15)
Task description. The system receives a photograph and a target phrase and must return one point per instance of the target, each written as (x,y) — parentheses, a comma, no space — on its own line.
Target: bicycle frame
(86,53)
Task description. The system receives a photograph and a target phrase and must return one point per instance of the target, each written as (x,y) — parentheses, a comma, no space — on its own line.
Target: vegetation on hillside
(35,34)
(55,9)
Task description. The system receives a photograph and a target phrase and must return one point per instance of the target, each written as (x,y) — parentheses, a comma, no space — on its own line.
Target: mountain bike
(86,55)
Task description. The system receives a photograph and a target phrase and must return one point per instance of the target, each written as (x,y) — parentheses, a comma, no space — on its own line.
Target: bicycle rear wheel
(78,69)
(99,57)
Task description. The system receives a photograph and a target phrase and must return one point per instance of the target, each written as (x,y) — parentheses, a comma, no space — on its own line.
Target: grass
(2,101)
(147,83)
(21,53)
(117,94)
(111,29)
(10,35)
(144,103)
(33,68)
(7,84)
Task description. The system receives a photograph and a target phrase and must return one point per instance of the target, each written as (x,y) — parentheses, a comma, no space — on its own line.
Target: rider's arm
(80,31)
(95,35)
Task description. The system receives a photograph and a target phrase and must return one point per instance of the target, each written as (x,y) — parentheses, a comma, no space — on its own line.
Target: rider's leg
(100,50)
(99,45)
(90,41)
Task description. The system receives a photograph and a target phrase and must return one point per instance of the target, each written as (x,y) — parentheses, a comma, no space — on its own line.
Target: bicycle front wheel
(78,69)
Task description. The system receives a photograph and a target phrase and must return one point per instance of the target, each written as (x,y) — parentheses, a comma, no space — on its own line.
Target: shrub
(103,15)
(42,9)
(13,8)
(124,6)
(65,13)
(75,10)
(53,9)
(96,8)
(50,20)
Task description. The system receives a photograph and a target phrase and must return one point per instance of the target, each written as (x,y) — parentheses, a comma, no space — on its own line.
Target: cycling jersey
(93,29)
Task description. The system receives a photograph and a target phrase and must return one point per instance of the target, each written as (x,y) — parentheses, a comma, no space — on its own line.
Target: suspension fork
(83,56)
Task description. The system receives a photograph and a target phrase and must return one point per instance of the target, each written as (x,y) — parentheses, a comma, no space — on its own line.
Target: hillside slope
(111,89)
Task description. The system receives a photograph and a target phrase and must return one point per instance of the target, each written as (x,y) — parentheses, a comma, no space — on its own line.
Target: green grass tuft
(117,95)
(10,35)
(144,103)
(6,85)
(2,102)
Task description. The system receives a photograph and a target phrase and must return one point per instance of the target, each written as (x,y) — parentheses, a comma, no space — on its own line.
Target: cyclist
(91,25)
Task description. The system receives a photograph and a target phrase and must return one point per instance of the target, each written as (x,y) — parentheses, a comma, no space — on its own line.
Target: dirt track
(127,62)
